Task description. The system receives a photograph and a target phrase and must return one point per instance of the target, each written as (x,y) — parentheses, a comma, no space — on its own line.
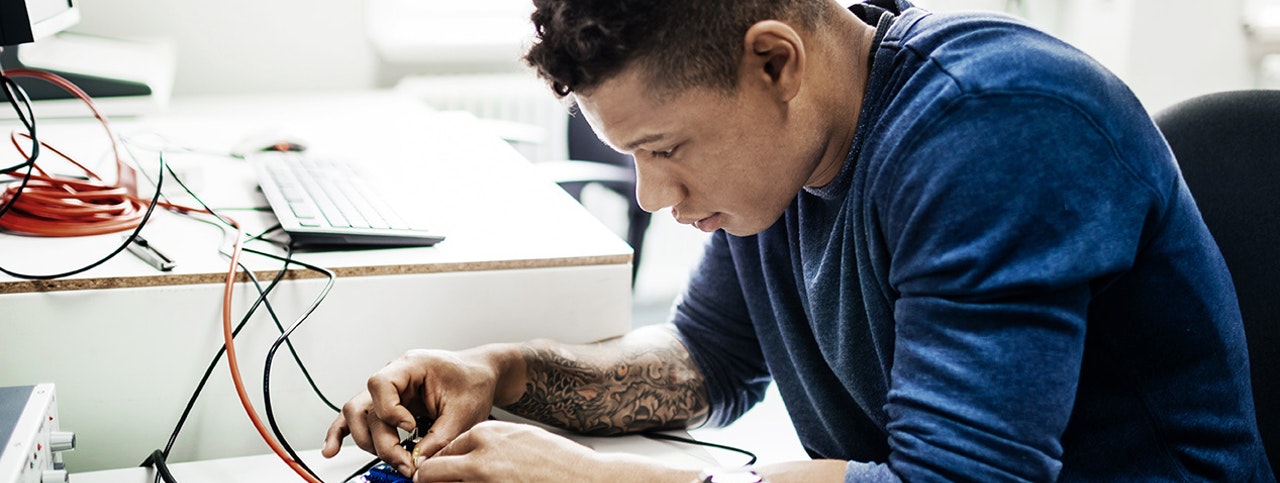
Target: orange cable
(229,341)
(60,206)
(66,206)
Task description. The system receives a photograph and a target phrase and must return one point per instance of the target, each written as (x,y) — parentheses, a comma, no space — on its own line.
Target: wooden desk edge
(91,283)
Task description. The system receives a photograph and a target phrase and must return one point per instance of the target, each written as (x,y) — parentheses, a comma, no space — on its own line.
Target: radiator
(518,107)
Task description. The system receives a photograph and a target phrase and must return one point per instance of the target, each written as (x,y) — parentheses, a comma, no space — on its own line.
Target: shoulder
(972,53)
(967,78)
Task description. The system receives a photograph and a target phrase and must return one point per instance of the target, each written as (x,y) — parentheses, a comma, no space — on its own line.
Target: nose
(655,188)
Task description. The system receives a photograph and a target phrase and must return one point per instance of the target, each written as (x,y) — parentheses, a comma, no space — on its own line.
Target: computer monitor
(23,21)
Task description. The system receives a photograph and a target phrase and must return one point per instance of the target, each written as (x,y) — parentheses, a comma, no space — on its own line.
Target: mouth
(707,224)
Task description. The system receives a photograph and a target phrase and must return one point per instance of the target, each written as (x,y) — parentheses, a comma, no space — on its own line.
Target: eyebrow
(631,146)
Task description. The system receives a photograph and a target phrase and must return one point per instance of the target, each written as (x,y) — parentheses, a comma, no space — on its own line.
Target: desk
(270,469)
(126,345)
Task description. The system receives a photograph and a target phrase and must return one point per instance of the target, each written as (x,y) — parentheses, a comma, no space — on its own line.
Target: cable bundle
(49,205)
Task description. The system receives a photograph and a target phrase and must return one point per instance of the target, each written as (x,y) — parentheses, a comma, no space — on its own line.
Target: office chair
(1228,147)
(593,162)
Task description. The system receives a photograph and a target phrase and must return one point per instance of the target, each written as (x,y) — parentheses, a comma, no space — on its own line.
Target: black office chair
(593,162)
(1228,147)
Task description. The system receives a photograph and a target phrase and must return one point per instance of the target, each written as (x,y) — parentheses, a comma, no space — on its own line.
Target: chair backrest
(584,145)
(1228,147)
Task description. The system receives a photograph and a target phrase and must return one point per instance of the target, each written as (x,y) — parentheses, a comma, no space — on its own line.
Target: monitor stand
(124,78)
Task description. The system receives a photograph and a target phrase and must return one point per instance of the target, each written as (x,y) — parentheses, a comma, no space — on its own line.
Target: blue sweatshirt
(1008,280)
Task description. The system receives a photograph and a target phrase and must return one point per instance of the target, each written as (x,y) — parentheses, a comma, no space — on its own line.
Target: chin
(742,232)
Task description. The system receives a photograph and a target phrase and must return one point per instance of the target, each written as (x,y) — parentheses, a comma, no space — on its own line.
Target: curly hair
(679,43)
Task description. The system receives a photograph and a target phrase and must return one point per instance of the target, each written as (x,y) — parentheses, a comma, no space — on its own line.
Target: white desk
(270,469)
(125,344)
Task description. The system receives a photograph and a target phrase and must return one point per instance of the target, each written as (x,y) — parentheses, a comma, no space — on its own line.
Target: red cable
(60,206)
(64,206)
(229,340)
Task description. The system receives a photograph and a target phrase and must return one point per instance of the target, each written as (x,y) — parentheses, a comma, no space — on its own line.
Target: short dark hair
(679,43)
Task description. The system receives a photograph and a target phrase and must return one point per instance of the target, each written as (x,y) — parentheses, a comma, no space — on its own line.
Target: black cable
(679,439)
(157,459)
(129,239)
(186,412)
(287,259)
(260,301)
(331,276)
(266,379)
(271,353)
(14,93)
(222,350)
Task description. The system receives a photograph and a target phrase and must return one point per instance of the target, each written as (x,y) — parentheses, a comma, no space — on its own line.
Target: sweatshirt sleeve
(711,321)
(1000,224)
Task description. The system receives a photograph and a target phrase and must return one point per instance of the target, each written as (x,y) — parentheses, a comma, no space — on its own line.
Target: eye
(663,154)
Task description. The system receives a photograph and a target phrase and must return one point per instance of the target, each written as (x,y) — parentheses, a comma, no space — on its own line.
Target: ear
(773,57)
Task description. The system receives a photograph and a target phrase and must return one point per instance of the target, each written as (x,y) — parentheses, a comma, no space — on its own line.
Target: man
(959,246)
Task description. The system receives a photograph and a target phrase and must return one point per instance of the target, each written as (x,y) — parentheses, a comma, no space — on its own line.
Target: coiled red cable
(64,206)
(50,205)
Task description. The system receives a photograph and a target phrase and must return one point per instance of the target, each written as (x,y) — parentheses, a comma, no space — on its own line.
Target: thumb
(443,431)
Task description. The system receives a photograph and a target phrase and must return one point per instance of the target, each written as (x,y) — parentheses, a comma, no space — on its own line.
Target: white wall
(247,45)
(1166,50)
(1191,47)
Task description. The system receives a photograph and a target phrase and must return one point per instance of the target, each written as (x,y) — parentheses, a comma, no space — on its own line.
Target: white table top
(471,185)
(269,468)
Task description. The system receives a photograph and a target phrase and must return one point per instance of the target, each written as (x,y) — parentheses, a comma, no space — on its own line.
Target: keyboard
(322,201)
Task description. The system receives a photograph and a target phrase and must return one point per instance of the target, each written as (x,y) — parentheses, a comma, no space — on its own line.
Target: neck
(847,49)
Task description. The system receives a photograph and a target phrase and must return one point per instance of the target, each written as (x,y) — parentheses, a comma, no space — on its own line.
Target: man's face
(717,161)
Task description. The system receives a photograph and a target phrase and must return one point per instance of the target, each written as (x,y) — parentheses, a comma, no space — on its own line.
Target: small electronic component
(381,473)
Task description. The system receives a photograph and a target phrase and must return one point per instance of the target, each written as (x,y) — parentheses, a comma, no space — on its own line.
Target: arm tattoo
(618,386)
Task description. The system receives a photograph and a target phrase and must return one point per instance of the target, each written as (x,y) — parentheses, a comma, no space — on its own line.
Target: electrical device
(124,77)
(23,21)
(33,441)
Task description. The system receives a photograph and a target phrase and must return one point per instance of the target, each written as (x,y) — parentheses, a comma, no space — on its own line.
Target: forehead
(626,111)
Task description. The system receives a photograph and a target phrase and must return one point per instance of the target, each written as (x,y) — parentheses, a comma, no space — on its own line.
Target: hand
(455,390)
(497,451)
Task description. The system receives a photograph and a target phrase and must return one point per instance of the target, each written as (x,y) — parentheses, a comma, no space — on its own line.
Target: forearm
(626,468)
(643,380)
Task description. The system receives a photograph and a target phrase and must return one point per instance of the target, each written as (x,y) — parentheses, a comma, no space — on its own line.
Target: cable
(150,207)
(266,373)
(285,333)
(58,206)
(14,93)
(287,259)
(233,364)
(217,357)
(279,445)
(49,205)
(678,439)
(157,459)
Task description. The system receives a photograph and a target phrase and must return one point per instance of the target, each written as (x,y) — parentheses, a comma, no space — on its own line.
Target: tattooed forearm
(645,380)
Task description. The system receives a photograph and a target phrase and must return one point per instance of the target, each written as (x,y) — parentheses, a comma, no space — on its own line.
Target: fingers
(451,463)
(386,443)
(354,422)
(333,438)
(386,399)
(451,423)
(442,468)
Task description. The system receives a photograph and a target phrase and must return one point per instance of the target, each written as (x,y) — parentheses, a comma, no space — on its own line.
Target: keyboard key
(329,201)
